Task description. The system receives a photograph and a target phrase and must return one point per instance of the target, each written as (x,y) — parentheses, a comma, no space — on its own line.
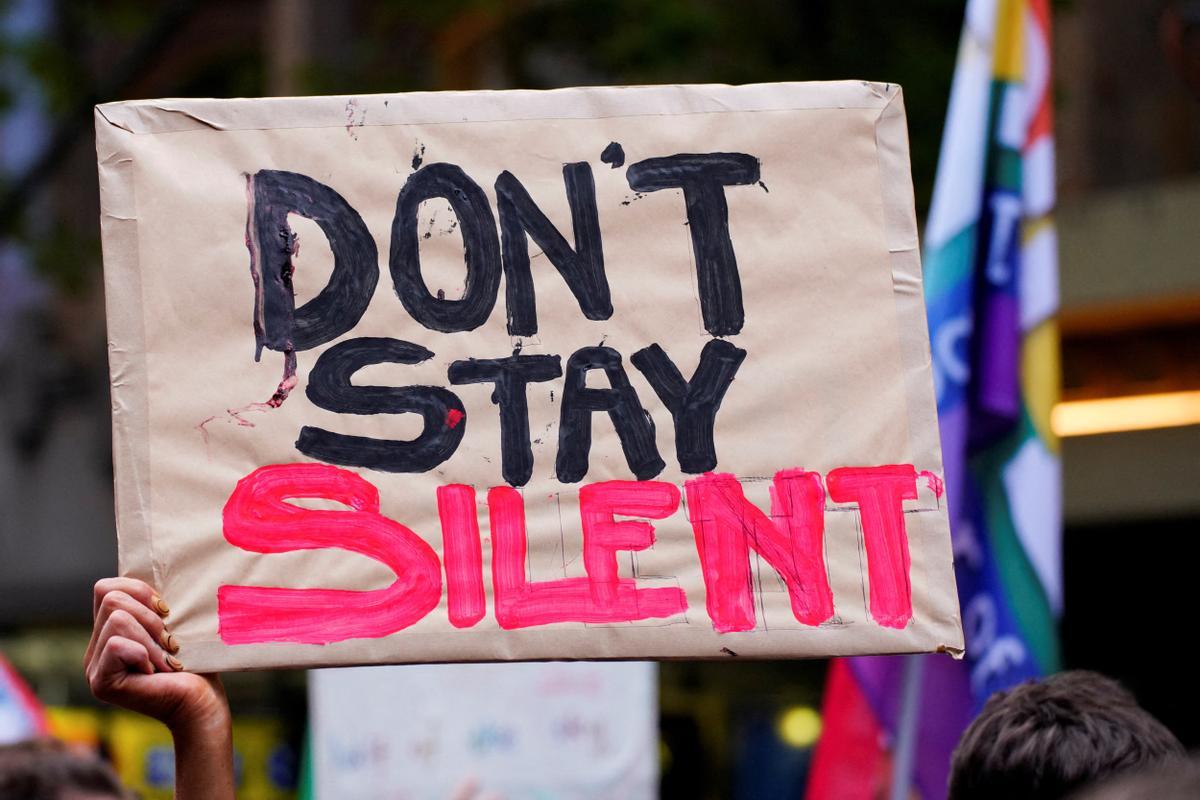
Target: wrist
(202,718)
(203,734)
(214,723)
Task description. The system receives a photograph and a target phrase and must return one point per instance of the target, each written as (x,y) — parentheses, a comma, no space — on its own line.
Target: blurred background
(1127,105)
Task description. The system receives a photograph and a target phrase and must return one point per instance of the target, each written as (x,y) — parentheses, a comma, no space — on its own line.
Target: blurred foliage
(572,42)
(65,255)
(702,41)
(57,59)
(57,66)
(402,45)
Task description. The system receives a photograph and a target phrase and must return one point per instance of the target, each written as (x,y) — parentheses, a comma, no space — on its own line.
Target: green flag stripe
(1022,588)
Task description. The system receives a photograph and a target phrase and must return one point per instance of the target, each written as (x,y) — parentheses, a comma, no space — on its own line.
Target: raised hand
(131,662)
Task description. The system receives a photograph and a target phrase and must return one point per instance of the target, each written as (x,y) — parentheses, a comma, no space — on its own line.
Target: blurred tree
(463,44)
(709,41)
(99,51)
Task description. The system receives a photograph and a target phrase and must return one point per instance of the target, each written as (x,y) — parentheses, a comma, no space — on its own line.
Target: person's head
(1044,740)
(43,769)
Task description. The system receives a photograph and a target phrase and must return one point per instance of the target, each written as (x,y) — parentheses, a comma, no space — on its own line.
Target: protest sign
(553,731)
(586,373)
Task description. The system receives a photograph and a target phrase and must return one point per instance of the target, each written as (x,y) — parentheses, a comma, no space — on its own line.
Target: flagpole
(905,752)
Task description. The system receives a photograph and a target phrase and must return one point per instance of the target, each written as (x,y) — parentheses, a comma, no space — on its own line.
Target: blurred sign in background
(1127,105)
(550,731)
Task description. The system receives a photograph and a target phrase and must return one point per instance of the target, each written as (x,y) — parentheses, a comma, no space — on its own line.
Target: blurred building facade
(1129,180)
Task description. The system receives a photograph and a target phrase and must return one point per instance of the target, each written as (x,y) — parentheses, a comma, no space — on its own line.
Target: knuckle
(111,602)
(122,619)
(116,645)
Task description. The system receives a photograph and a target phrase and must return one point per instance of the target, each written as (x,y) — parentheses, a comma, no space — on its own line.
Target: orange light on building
(1133,413)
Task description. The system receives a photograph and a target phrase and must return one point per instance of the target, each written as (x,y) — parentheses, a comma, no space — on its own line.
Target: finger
(117,659)
(121,623)
(139,590)
(117,600)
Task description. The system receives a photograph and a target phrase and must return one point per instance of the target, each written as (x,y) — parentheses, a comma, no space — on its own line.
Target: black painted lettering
(510,376)
(634,426)
(481,250)
(330,388)
(582,267)
(703,178)
(278,324)
(693,404)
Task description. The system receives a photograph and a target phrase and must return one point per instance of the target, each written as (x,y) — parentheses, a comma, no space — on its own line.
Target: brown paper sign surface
(586,373)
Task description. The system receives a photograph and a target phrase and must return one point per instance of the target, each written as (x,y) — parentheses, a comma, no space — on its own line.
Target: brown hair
(1044,740)
(44,769)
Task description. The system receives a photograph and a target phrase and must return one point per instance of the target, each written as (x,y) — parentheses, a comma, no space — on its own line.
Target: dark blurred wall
(1129,176)
(1126,115)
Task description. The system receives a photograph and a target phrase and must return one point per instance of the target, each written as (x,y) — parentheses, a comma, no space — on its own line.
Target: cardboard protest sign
(553,731)
(588,373)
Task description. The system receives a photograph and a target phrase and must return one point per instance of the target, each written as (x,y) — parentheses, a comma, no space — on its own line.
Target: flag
(21,715)
(991,290)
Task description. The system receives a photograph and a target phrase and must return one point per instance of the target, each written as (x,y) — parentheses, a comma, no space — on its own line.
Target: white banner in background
(550,731)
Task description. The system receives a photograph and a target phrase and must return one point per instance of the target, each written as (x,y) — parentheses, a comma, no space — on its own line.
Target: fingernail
(162,608)
(167,640)
(174,663)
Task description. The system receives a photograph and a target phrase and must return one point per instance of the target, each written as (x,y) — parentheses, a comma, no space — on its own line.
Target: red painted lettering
(258,518)
(462,554)
(880,493)
(603,536)
(727,526)
(595,599)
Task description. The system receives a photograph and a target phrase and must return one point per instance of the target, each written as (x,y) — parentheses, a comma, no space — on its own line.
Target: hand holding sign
(129,663)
